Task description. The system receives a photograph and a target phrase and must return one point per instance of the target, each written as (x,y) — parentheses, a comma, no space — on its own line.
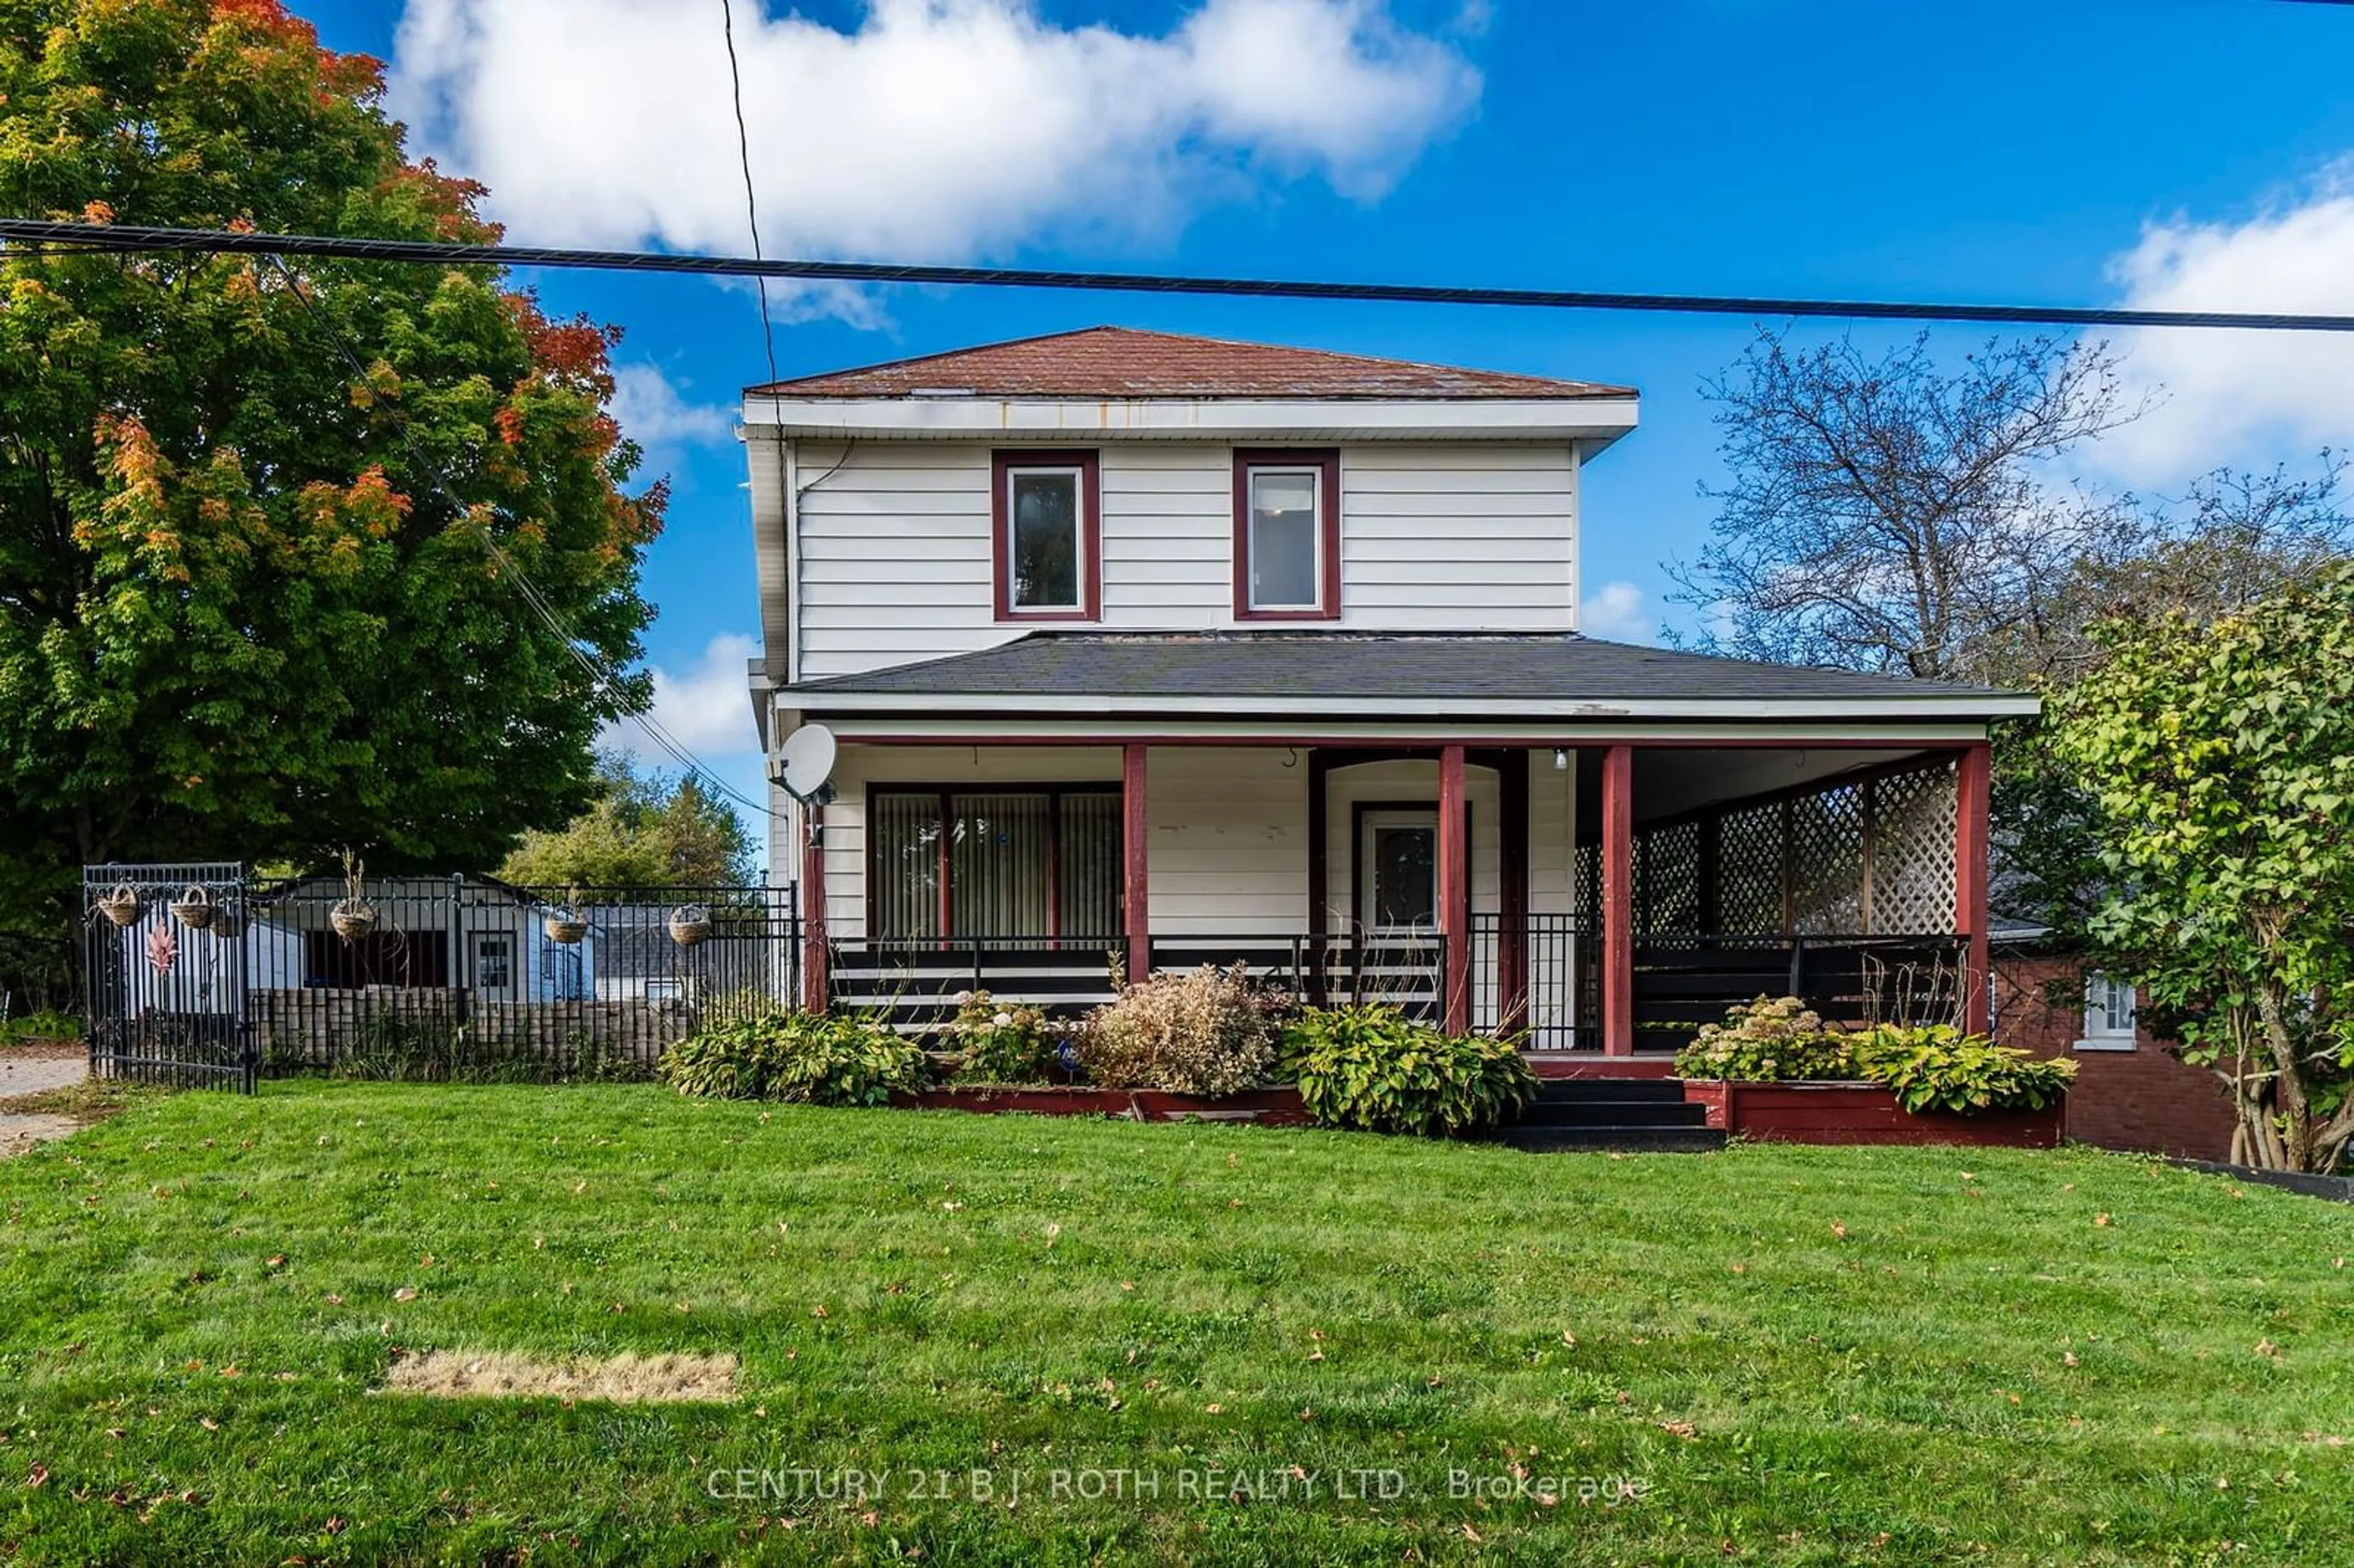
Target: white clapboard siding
(894,554)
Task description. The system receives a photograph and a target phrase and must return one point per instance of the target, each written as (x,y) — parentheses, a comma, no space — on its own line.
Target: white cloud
(707,708)
(936,129)
(2240,397)
(1616,611)
(653,413)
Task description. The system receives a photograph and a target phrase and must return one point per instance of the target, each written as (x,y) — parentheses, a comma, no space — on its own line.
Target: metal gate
(165,968)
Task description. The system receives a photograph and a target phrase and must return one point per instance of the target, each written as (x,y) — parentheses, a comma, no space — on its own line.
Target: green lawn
(1795,1355)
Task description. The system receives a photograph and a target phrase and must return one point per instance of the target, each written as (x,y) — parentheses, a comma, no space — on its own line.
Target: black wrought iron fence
(165,974)
(420,977)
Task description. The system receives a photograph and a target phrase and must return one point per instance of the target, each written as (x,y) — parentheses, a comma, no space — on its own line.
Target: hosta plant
(1370,1066)
(1938,1067)
(826,1059)
(1766,1040)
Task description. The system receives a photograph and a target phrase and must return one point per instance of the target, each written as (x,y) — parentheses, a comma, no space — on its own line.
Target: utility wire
(744,157)
(130,238)
(529,591)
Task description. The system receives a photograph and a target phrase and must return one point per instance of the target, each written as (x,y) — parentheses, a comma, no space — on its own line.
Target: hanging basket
(353,919)
(122,905)
(690,925)
(195,908)
(566,927)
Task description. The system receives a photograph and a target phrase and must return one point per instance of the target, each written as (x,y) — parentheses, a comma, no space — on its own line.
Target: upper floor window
(1287,536)
(2109,1015)
(1048,519)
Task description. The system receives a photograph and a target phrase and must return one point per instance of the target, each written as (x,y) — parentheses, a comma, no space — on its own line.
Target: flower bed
(1275,1106)
(1861,1112)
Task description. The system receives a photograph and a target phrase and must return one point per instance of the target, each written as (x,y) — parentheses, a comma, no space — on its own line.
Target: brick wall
(2145,1099)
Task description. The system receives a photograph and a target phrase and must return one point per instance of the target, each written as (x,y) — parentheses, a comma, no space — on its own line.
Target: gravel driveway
(29,1070)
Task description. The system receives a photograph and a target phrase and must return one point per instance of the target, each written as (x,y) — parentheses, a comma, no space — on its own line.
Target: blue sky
(2172,151)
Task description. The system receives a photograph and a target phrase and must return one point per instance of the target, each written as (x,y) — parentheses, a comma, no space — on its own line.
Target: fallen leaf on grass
(2100,1219)
(334,1299)
(1683,1429)
(406,1293)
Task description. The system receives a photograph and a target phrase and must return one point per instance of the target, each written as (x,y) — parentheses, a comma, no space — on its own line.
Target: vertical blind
(1019,864)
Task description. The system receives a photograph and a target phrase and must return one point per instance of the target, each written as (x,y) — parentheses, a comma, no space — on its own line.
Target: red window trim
(1054,793)
(1002,464)
(1327,459)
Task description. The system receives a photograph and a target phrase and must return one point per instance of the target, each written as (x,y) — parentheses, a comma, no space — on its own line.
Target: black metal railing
(1682,981)
(1530,980)
(165,975)
(916,983)
(202,973)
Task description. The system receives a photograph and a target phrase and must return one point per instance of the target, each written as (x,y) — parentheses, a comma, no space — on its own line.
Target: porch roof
(1406,673)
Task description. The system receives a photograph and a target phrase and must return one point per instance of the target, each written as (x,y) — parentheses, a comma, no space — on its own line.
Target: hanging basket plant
(353,919)
(195,908)
(566,925)
(353,916)
(121,904)
(690,925)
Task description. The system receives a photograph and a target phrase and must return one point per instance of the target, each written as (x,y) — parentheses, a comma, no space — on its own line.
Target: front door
(1400,854)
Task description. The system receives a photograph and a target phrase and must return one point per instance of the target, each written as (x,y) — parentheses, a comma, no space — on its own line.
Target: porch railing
(1684,980)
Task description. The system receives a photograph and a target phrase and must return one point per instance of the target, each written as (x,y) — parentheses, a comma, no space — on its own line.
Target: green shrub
(998,1043)
(1211,1031)
(1937,1067)
(1370,1066)
(1767,1041)
(825,1059)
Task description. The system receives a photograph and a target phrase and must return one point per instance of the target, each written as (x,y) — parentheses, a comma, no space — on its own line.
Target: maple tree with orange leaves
(249,607)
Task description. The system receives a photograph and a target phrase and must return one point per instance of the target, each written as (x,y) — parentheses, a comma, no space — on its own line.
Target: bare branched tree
(1896,514)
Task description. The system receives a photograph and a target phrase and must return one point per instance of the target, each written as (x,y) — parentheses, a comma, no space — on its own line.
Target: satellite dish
(805,762)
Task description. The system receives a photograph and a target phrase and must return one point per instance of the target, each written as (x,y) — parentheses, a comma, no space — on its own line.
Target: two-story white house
(1187,650)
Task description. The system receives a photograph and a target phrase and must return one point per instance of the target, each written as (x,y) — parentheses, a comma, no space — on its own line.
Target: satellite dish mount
(803,768)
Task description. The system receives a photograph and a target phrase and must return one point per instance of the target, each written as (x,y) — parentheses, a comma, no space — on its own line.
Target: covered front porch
(1590,893)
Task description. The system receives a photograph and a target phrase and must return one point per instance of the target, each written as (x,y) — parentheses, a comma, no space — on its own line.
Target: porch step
(1614,1113)
(1646,1114)
(1567,1091)
(1632,1139)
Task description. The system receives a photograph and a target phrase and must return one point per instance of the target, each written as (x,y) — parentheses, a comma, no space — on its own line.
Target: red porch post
(816,955)
(1974,789)
(1454,892)
(1136,826)
(1513,902)
(1618,901)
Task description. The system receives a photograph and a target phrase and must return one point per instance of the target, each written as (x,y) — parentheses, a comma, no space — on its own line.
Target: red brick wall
(2145,1099)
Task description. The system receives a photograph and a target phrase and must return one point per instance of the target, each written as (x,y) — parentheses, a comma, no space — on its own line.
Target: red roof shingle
(1124,361)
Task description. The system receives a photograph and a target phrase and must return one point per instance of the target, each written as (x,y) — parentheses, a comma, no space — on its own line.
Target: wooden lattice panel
(1667,880)
(1913,853)
(1826,833)
(1749,871)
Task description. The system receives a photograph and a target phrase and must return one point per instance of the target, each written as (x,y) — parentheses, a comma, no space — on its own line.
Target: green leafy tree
(643,832)
(2220,753)
(252,517)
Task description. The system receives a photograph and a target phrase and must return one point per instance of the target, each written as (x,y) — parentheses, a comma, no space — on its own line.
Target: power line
(527,590)
(132,238)
(744,157)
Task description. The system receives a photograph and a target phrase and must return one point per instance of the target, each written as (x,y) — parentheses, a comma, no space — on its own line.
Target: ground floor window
(1015,863)
(2109,1015)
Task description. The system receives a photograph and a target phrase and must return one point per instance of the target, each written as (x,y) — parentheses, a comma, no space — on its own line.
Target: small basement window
(2109,1015)
(1047,520)
(1287,536)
